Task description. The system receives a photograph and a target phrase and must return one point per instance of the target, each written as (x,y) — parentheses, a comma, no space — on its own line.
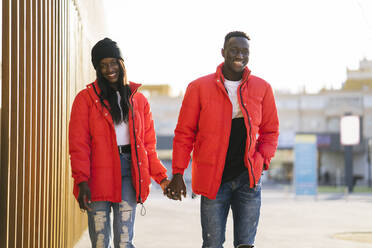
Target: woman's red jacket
(94,152)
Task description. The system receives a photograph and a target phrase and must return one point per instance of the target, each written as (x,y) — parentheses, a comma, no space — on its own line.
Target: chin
(239,70)
(113,81)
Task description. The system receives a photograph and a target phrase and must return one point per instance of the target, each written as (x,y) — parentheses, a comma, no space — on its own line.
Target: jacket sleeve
(186,129)
(79,139)
(157,171)
(269,128)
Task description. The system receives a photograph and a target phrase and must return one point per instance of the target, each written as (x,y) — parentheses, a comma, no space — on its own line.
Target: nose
(240,55)
(110,68)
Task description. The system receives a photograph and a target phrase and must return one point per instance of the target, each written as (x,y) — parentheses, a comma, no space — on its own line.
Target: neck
(114,86)
(231,75)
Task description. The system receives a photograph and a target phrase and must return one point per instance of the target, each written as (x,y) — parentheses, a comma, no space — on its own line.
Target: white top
(122,130)
(232,91)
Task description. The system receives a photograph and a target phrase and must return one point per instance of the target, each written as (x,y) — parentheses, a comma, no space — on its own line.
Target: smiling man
(229,120)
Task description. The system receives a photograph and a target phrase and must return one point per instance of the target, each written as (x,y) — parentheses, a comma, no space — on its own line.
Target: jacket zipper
(135,147)
(250,132)
(135,141)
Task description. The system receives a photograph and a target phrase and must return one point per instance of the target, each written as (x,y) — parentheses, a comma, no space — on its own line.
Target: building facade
(302,113)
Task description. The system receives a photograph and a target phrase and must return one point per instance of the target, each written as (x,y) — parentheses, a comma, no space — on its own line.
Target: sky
(295,45)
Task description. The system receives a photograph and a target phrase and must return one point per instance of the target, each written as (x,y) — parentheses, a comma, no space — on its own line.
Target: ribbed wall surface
(42,70)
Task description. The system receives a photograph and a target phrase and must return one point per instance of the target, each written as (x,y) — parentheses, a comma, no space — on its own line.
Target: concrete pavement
(286,222)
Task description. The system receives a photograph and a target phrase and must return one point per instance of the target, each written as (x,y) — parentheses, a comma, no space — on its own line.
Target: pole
(349,168)
(369,146)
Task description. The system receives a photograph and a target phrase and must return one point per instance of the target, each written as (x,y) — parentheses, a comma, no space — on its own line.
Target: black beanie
(105,48)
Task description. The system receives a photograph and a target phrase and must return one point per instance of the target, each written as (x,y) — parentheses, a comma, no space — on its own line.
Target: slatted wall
(42,68)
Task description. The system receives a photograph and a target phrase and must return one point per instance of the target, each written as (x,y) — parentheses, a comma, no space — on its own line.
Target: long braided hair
(109,94)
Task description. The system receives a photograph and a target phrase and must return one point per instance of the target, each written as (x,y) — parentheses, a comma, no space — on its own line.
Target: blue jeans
(245,204)
(99,222)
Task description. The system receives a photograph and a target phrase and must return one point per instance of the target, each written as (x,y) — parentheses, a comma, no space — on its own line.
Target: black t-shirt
(234,163)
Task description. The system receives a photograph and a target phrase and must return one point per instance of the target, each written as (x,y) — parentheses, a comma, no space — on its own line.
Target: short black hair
(235,34)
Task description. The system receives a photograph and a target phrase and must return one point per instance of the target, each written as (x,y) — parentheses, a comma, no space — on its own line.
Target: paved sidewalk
(285,222)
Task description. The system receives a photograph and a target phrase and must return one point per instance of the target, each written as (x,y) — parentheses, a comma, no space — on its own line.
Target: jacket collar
(220,76)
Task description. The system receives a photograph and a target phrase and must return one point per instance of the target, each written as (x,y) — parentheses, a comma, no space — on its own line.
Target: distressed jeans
(245,204)
(99,222)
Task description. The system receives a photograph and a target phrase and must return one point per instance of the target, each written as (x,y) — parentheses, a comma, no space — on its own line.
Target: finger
(175,197)
(165,191)
(88,197)
(81,204)
(169,195)
(86,203)
(168,191)
(182,192)
(86,206)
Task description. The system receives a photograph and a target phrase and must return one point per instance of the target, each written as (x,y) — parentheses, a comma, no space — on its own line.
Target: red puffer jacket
(93,149)
(204,125)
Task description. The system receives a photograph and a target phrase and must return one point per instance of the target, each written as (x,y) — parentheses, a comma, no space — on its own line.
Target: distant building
(318,114)
(156,90)
(360,79)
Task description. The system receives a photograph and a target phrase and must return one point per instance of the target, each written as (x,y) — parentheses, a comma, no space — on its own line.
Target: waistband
(124,149)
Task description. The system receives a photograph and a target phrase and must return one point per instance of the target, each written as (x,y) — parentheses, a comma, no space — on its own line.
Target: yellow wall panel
(42,70)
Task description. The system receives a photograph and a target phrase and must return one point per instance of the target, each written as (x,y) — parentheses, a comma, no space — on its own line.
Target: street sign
(305,165)
(350,130)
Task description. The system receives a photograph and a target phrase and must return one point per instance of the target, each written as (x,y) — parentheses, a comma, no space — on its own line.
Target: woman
(112,149)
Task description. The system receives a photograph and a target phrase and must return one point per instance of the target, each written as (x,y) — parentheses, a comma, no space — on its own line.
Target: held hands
(164,183)
(176,188)
(84,196)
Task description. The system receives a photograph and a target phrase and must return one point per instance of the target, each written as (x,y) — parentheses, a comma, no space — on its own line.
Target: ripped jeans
(245,204)
(99,222)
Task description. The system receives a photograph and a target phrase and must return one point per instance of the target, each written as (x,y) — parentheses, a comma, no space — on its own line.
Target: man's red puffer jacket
(204,127)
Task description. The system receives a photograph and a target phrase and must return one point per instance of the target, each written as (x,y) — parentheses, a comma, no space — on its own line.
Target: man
(229,120)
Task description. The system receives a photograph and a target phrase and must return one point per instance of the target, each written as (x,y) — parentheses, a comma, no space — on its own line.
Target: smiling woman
(109,68)
(112,149)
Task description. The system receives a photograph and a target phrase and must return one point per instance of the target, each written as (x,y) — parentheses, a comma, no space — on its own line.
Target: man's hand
(164,184)
(176,188)
(84,196)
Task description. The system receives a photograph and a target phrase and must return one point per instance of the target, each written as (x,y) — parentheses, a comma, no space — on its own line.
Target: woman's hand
(164,183)
(84,196)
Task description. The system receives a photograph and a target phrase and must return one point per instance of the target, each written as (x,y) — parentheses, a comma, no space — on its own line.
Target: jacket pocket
(204,151)
(258,161)
(202,177)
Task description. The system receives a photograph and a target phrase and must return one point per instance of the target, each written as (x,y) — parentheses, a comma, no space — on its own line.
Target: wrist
(164,180)
(83,184)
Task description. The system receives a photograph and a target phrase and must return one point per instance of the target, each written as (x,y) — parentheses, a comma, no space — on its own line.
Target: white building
(304,113)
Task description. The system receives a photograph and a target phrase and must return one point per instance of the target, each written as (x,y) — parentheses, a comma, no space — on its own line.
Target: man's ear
(223,52)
